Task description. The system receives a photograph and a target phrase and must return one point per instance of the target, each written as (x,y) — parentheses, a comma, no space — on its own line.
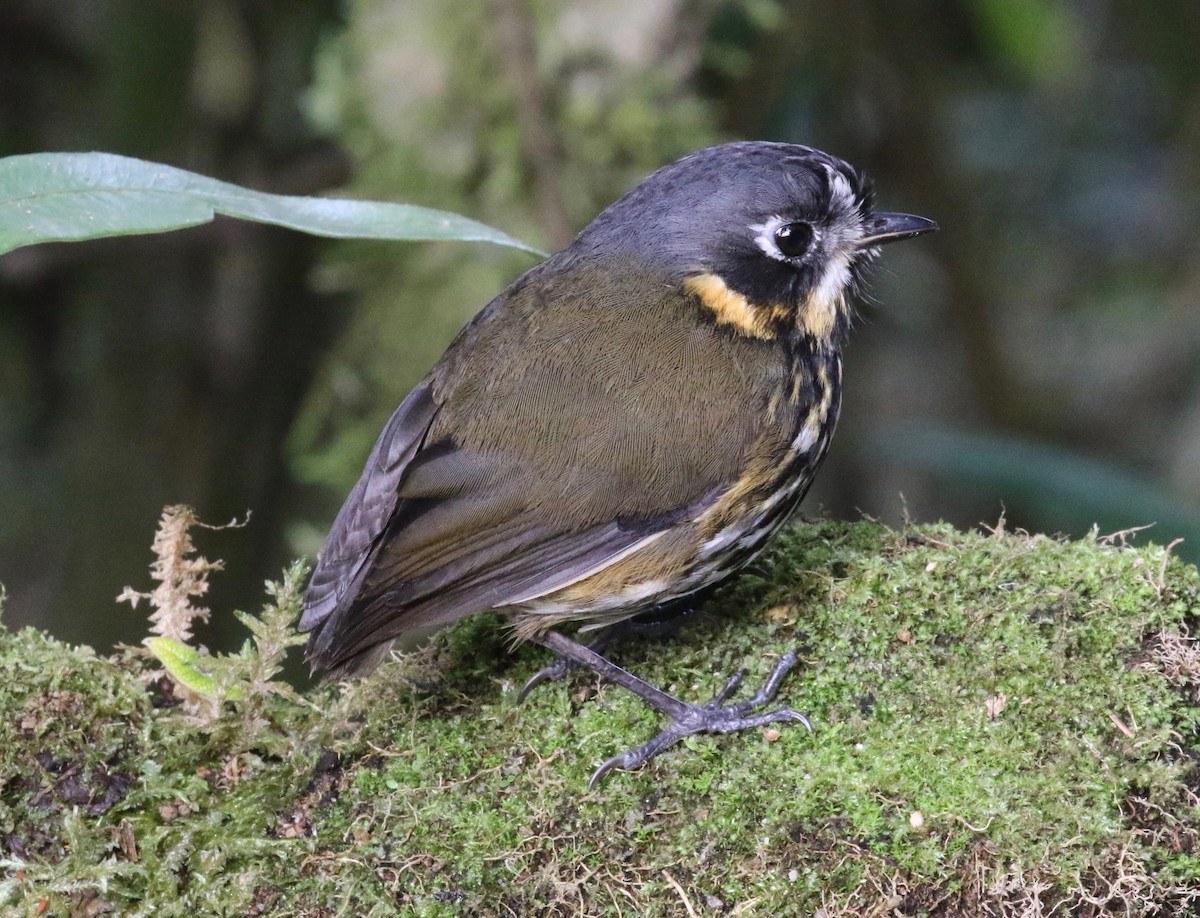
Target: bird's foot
(563,665)
(646,625)
(714,717)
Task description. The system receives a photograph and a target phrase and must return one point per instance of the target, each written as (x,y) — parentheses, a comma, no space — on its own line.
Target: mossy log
(1003,724)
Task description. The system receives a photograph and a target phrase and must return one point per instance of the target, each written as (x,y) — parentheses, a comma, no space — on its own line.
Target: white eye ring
(764,237)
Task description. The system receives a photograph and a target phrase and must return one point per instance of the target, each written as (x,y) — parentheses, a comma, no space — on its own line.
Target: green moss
(998,720)
(111,802)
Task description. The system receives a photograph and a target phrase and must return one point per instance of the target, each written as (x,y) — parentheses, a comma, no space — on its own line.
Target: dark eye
(794,239)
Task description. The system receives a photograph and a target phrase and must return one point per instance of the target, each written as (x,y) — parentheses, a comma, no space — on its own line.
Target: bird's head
(769,237)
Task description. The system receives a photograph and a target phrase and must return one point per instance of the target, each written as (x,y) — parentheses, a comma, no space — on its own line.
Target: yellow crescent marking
(817,317)
(731,308)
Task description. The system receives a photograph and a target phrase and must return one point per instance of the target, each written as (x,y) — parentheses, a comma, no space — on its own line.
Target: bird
(621,429)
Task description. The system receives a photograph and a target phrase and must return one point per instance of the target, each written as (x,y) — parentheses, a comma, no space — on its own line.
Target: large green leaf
(57,197)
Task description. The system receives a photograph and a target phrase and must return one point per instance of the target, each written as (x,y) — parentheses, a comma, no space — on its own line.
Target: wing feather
(534,566)
(368,510)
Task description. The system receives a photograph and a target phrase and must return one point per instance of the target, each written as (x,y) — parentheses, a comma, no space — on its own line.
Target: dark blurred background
(1039,357)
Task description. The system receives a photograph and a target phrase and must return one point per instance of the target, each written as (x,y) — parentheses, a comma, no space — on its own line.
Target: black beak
(881,228)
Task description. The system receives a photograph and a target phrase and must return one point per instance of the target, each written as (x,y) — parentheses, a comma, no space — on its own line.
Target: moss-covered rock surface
(1003,724)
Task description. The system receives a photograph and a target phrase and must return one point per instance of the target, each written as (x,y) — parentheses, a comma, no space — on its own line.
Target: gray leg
(607,637)
(685,719)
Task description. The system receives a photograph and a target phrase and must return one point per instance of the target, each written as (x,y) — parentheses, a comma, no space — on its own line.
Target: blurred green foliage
(1057,144)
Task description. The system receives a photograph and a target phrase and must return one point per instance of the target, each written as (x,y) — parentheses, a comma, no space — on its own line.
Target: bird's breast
(776,480)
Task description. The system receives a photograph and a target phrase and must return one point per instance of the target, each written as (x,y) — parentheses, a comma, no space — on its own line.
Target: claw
(797,716)
(607,766)
(552,673)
